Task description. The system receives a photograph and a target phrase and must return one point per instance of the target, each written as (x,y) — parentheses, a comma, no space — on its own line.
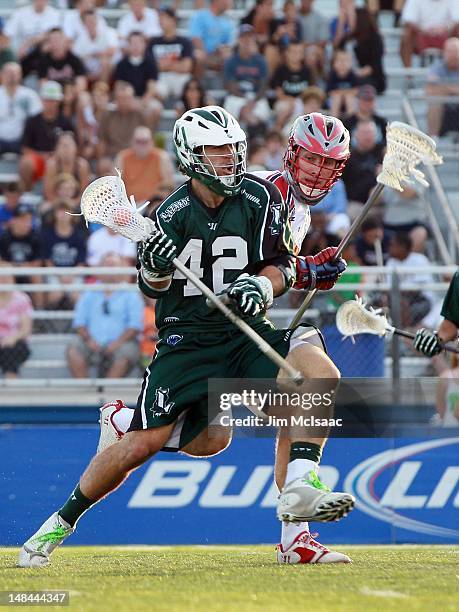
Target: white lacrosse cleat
(307,499)
(304,549)
(109,432)
(36,551)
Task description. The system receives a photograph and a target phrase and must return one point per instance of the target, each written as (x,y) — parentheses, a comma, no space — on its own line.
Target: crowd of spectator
(80,96)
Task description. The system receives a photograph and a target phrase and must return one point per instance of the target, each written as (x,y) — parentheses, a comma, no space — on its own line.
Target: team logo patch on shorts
(162,404)
(173,339)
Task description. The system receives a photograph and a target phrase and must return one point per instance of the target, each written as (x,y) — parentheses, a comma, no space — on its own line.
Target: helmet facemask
(311,185)
(196,135)
(220,173)
(317,152)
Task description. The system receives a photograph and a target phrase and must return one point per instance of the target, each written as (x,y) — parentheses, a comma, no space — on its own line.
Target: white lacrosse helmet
(211,126)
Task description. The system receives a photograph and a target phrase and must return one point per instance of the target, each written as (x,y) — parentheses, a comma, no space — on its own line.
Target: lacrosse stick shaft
(405,334)
(342,245)
(264,347)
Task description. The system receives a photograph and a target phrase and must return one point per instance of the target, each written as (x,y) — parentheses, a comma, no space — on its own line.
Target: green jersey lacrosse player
(430,342)
(231,229)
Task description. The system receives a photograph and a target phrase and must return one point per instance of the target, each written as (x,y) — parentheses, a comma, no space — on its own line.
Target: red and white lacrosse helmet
(317,151)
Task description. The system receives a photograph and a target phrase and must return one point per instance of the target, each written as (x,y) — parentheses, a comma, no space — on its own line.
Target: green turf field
(212,579)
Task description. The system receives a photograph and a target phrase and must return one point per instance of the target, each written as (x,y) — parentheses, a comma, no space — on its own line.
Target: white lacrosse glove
(251,294)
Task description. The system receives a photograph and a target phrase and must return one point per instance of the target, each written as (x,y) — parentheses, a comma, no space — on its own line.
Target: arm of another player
(319,271)
(430,342)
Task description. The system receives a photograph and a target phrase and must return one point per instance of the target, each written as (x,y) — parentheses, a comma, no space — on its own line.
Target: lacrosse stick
(105,201)
(353,318)
(407,147)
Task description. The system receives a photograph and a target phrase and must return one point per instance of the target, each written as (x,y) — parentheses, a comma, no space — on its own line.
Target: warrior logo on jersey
(174,339)
(276,223)
(162,405)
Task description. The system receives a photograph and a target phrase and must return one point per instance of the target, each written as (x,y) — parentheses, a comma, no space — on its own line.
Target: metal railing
(451,245)
(52,328)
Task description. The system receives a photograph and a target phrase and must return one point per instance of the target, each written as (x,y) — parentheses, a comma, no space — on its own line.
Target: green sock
(75,506)
(305,450)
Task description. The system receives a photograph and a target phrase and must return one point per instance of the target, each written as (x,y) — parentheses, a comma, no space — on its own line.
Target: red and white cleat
(304,549)
(109,432)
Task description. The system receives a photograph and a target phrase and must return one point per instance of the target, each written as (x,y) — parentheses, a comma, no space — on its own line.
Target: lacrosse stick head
(105,201)
(353,318)
(407,147)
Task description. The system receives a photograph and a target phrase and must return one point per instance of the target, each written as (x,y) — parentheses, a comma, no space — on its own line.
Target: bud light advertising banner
(407,490)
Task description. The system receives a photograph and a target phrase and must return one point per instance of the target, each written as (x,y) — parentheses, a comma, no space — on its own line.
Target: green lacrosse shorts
(175,388)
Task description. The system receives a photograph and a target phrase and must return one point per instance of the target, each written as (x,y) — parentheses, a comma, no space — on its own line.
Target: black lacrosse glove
(427,342)
(155,256)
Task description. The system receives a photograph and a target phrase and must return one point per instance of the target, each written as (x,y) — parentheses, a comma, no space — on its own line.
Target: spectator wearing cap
(366,97)
(108,324)
(315,35)
(96,45)
(443,80)
(139,18)
(290,79)
(16,325)
(28,25)
(73,22)
(118,124)
(245,78)
(147,171)
(17,104)
(12,199)
(427,24)
(212,33)
(41,133)
(173,55)
(342,84)
(59,64)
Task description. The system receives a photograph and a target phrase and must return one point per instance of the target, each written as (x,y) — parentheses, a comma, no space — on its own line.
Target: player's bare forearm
(447,331)
(276,277)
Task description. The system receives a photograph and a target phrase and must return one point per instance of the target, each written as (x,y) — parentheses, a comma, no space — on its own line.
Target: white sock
(296,469)
(123,418)
(299,468)
(290,531)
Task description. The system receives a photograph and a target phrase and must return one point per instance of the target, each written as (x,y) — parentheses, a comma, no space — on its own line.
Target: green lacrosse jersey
(450,308)
(246,232)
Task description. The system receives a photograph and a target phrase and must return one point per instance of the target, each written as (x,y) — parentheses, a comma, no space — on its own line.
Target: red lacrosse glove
(319,271)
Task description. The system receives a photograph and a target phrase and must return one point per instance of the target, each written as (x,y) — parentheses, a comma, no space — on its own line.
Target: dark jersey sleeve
(450,308)
(168,229)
